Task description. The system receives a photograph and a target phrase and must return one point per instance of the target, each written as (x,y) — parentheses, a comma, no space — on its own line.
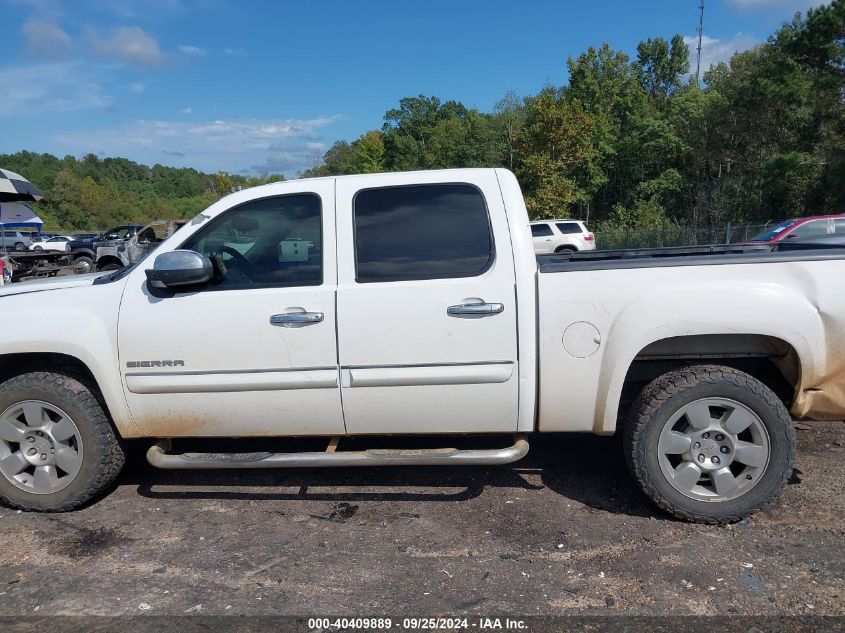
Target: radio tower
(700,36)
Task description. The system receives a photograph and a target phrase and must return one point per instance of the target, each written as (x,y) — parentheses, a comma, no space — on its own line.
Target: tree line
(627,142)
(640,142)
(98,193)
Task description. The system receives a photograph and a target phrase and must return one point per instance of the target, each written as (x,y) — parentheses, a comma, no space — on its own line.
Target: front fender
(78,322)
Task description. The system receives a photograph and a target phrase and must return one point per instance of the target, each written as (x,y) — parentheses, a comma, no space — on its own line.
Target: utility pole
(700,36)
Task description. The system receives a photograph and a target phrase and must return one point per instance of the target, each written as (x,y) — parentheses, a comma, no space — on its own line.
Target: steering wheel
(241,262)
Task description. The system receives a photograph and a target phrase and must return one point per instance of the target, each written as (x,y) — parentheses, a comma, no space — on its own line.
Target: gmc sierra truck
(361,308)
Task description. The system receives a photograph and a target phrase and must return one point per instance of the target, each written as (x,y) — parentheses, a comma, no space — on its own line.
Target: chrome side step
(159,457)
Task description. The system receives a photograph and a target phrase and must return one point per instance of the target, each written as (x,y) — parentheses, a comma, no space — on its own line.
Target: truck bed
(615,307)
(688,256)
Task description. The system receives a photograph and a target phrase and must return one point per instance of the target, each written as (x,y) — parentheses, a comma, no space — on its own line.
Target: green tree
(509,115)
(368,153)
(662,65)
(557,139)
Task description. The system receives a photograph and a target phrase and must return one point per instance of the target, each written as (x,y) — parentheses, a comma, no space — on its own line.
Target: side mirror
(791,235)
(179,268)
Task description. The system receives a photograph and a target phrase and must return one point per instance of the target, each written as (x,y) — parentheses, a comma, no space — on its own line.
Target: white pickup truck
(412,304)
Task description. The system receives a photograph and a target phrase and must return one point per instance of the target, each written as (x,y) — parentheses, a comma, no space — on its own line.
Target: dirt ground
(563,532)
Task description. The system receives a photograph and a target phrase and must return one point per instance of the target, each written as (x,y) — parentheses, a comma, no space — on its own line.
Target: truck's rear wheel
(58,449)
(108,267)
(709,443)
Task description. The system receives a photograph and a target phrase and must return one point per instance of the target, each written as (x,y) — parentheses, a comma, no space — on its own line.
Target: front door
(254,351)
(427,333)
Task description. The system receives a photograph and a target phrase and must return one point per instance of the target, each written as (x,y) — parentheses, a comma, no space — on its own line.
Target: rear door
(427,333)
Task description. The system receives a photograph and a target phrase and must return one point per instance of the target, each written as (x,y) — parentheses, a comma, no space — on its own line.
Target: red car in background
(803,228)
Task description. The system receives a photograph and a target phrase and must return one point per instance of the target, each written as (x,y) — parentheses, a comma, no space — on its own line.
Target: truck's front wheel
(709,443)
(58,449)
(83,265)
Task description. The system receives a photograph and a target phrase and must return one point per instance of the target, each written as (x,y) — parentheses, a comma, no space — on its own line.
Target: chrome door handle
(476,308)
(296,318)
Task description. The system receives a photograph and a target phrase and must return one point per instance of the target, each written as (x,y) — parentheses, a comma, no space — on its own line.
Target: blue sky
(253,86)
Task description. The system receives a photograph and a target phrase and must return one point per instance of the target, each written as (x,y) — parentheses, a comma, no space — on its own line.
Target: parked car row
(570,236)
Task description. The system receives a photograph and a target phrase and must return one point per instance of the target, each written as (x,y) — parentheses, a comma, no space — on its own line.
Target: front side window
(272,242)
(421,232)
(541,230)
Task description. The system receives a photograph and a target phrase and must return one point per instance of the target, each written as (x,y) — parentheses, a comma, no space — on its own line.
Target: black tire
(83,264)
(566,249)
(108,267)
(38,249)
(665,396)
(20,246)
(103,450)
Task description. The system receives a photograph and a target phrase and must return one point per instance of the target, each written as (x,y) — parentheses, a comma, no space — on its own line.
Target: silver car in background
(14,241)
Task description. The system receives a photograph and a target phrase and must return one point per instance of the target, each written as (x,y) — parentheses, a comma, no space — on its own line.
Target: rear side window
(568,228)
(421,232)
(839,226)
(541,230)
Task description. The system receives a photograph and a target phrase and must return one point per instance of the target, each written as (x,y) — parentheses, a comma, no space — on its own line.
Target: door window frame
(221,217)
(491,260)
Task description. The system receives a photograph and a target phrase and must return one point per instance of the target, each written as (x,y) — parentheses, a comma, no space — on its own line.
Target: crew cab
(355,309)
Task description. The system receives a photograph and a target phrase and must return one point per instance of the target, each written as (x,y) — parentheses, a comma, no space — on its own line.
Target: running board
(159,457)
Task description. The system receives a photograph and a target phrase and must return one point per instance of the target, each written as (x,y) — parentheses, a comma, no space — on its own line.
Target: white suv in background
(561,236)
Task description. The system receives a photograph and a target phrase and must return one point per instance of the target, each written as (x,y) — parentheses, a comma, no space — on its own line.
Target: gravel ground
(563,532)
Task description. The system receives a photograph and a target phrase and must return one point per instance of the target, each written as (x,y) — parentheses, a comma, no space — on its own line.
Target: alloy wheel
(40,447)
(713,449)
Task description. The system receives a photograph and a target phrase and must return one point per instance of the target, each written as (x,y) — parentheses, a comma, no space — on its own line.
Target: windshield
(773,232)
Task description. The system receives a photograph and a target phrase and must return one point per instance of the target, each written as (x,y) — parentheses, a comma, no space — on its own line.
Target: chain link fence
(675,235)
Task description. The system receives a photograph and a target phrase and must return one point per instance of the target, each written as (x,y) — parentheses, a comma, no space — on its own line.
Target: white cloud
(136,87)
(187,110)
(239,145)
(714,50)
(45,39)
(131,44)
(234,52)
(53,87)
(193,51)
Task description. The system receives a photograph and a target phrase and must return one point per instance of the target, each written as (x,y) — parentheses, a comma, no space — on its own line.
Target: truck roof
(457,172)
